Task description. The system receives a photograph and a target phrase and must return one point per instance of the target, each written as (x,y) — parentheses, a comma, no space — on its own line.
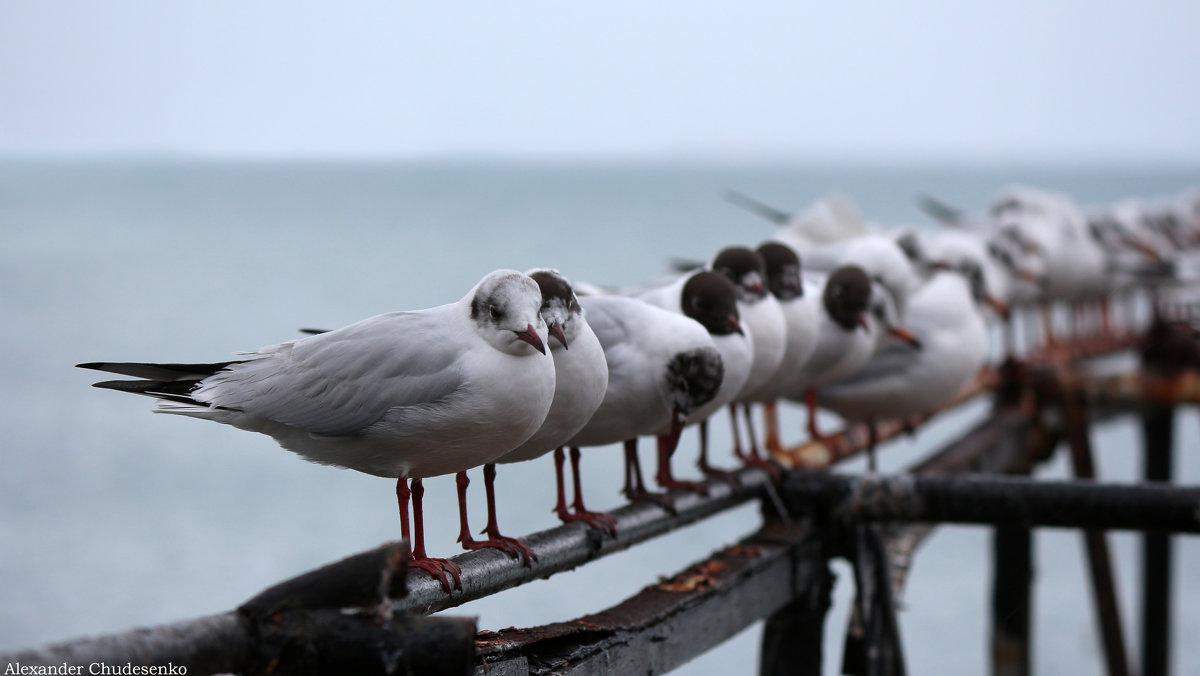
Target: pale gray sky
(912,80)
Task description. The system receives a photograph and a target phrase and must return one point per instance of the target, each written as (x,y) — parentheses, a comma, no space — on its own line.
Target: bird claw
(698,487)
(661,499)
(512,546)
(728,477)
(437,568)
(598,520)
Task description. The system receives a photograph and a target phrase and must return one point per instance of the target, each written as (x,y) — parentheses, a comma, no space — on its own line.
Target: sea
(112,517)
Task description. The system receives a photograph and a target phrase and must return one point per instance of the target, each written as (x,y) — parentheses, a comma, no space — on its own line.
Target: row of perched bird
(881,323)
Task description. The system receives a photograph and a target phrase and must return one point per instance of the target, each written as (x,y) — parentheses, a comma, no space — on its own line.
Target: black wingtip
(939,210)
(685,265)
(314,332)
(777,216)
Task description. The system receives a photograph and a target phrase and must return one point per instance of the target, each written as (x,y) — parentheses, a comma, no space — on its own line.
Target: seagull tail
(158,372)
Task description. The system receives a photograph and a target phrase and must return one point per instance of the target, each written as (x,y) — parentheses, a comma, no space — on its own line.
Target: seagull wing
(339,383)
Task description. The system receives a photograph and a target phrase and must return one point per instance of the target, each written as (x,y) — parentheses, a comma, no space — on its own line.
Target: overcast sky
(918,79)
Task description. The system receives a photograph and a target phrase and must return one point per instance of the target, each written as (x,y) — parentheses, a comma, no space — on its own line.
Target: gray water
(111,517)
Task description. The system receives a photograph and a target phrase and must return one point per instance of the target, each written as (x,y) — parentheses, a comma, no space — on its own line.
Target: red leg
(666,447)
(436,568)
(709,470)
(516,548)
(733,426)
(635,488)
(810,399)
(771,423)
(598,520)
(753,458)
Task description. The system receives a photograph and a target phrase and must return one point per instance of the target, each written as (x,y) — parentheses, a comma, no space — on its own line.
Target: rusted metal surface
(299,626)
(822,453)
(1108,613)
(982,499)
(1157,435)
(669,623)
(1012,578)
(486,572)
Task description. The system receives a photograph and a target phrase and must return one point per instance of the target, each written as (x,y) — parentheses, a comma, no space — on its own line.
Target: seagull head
(691,380)
(746,269)
(560,308)
(505,307)
(710,299)
(783,270)
(847,296)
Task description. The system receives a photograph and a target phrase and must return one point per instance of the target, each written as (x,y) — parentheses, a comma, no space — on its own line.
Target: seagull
(407,395)
(662,368)
(581,380)
(857,315)
(897,382)
(801,306)
(711,299)
(763,317)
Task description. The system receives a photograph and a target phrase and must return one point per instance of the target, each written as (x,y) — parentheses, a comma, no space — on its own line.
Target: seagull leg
(810,400)
(753,458)
(709,470)
(665,478)
(516,548)
(435,567)
(771,424)
(872,441)
(635,488)
(597,520)
(737,439)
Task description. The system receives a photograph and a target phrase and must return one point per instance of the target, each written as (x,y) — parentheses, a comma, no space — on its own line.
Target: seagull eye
(495,312)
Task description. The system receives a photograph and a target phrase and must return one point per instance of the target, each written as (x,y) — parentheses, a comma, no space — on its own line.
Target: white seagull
(897,382)
(711,299)
(801,306)
(857,316)
(581,380)
(405,394)
(662,368)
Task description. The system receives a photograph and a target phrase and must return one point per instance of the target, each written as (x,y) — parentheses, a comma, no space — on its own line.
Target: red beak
(530,336)
(732,323)
(556,330)
(905,335)
(998,306)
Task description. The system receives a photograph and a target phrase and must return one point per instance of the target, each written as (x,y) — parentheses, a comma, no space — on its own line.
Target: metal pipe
(1108,612)
(488,571)
(991,500)
(1157,432)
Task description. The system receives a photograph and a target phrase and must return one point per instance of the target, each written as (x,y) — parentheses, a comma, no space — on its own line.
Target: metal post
(794,635)
(1099,560)
(1012,548)
(1157,428)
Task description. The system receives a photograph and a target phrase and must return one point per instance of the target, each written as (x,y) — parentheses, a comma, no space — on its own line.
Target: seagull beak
(1140,245)
(998,306)
(1028,275)
(529,335)
(901,333)
(732,323)
(556,330)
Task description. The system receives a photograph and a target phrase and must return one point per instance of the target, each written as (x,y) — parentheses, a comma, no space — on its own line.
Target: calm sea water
(111,517)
